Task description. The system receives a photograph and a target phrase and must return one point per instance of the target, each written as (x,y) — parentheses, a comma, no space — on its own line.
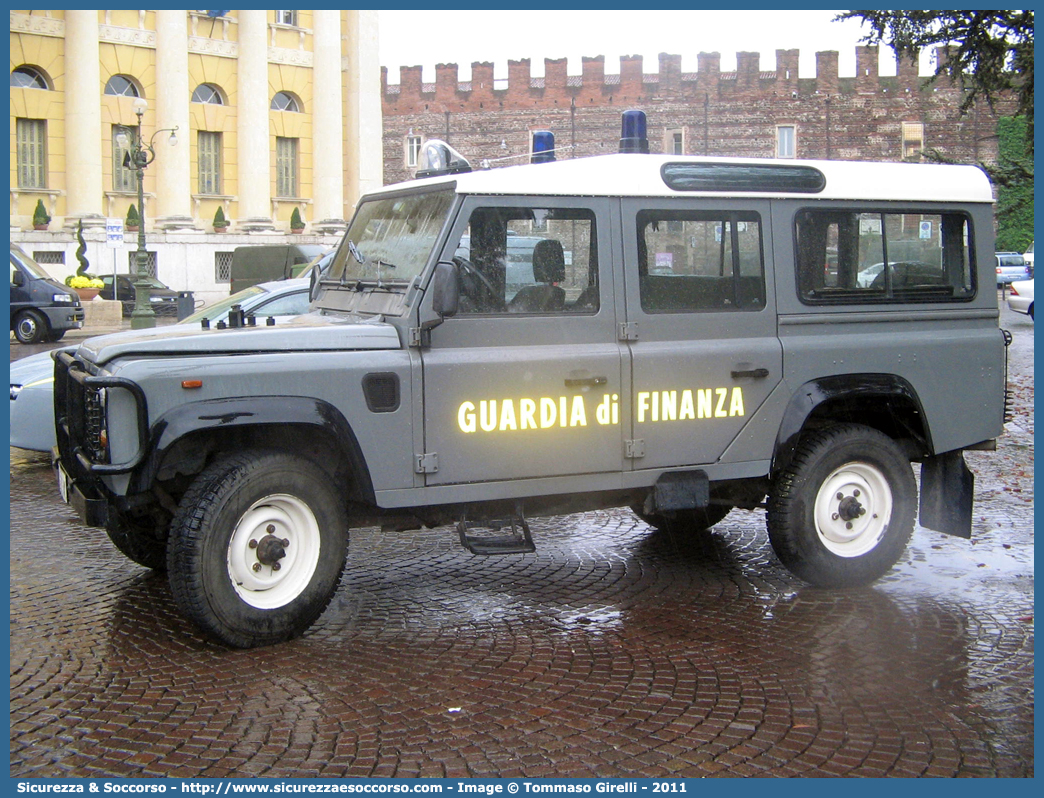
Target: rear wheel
(30,327)
(693,520)
(257,547)
(843,511)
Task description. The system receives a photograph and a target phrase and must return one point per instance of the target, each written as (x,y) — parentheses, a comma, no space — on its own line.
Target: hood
(312,332)
(28,370)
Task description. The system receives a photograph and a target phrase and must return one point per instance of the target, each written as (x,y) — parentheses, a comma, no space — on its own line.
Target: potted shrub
(296,222)
(86,286)
(40,217)
(133,220)
(220,222)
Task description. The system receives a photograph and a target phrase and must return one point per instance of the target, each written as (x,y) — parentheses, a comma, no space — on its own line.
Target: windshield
(392,237)
(29,264)
(222,307)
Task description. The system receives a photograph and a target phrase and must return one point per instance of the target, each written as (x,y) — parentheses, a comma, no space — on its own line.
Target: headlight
(62,298)
(15,390)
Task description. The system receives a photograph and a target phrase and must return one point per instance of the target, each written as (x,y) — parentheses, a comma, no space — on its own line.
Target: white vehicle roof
(633,175)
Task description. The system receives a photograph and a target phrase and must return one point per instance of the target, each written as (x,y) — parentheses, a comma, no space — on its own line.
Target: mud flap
(681,490)
(947,488)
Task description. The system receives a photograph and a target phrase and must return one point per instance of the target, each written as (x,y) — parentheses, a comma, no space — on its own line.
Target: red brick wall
(721,113)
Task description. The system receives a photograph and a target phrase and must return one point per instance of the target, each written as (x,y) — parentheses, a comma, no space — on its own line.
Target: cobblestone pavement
(613,650)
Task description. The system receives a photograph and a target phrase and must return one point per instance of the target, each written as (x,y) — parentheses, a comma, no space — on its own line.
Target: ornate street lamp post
(137,157)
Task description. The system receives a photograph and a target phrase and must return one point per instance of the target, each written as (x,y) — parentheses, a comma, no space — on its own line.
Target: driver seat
(548,269)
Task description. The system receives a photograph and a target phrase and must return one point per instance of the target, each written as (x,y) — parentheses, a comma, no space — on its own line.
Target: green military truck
(696,335)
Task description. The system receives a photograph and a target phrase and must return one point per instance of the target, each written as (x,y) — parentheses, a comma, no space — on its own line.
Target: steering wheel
(475,283)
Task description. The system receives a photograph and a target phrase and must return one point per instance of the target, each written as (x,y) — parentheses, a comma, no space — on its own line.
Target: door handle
(757,374)
(585,382)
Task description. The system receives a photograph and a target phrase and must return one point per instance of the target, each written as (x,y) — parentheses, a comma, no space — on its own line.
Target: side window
(700,261)
(528,260)
(849,257)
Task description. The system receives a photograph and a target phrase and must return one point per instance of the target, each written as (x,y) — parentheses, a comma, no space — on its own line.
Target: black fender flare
(814,393)
(250,411)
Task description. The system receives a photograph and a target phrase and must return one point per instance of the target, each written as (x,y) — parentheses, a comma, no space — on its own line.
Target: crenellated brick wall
(718,113)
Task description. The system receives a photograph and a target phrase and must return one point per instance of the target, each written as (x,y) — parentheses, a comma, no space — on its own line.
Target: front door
(702,323)
(526,380)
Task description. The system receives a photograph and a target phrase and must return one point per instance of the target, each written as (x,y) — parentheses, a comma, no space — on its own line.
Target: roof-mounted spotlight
(543,147)
(439,158)
(632,132)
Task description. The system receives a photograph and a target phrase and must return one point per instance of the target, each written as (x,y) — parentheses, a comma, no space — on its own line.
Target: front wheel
(257,547)
(842,512)
(30,327)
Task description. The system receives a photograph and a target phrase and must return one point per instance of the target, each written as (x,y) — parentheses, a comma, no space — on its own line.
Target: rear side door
(701,325)
(525,381)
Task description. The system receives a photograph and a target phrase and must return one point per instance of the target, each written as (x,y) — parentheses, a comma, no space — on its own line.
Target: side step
(519,541)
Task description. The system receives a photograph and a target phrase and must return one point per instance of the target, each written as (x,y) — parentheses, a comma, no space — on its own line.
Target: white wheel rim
(274,551)
(853,509)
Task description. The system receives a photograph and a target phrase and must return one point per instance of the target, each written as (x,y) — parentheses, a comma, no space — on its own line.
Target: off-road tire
(138,544)
(851,540)
(694,521)
(235,511)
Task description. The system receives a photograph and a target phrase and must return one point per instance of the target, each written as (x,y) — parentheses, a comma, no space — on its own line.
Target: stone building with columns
(273,110)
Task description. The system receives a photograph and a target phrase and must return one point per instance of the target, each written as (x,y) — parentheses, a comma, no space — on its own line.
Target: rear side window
(692,261)
(854,257)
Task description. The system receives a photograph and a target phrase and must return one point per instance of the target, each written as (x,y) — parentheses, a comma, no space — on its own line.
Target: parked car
(1011,267)
(164,299)
(1028,257)
(32,378)
(255,263)
(42,309)
(1021,297)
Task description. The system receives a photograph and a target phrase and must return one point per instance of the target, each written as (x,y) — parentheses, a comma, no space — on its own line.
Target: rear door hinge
(426,463)
(634,449)
(628,331)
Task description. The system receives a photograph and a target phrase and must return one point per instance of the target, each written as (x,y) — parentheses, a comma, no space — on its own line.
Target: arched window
(284,101)
(27,77)
(207,93)
(121,86)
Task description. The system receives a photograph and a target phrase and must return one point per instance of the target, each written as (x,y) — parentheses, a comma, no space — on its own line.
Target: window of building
(123,177)
(132,263)
(854,256)
(49,258)
(223,267)
(209,157)
(700,261)
(674,142)
(286,167)
(207,93)
(284,101)
(913,139)
(786,141)
(286,18)
(32,152)
(413,148)
(27,77)
(121,86)
(529,260)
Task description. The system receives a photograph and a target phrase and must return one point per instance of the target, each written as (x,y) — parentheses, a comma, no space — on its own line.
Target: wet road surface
(614,650)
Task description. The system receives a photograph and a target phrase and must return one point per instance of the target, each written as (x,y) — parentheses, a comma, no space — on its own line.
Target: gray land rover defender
(696,335)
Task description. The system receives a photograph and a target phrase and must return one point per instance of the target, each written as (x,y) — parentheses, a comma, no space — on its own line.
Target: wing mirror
(445,289)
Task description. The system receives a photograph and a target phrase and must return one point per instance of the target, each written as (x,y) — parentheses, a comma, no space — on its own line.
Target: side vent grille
(381,392)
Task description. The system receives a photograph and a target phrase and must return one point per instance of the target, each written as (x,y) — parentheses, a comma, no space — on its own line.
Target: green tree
(990,52)
(1015,189)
